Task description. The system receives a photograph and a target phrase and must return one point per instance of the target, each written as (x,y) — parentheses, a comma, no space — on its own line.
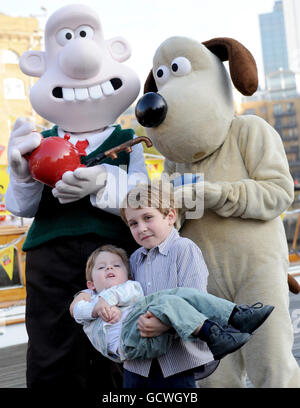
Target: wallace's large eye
(181,66)
(162,74)
(64,35)
(84,31)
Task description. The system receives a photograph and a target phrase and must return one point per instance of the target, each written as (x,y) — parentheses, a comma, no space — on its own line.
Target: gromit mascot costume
(82,88)
(247,185)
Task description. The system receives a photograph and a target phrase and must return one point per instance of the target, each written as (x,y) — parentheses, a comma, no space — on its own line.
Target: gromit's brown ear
(150,85)
(242,65)
(294,286)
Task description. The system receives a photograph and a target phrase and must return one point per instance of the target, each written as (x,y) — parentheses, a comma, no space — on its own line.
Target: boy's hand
(150,326)
(115,314)
(81,296)
(102,309)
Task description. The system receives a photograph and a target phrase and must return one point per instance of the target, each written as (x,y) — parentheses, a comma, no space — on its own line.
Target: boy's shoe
(223,340)
(248,318)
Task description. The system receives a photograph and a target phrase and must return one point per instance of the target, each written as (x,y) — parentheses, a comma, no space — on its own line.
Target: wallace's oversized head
(83,85)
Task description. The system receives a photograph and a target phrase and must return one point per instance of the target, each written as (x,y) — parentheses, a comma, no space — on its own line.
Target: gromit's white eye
(181,66)
(162,74)
(64,35)
(84,31)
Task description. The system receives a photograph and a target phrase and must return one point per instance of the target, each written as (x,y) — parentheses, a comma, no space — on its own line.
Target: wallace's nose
(151,110)
(80,59)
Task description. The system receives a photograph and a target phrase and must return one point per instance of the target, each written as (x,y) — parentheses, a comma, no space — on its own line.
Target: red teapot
(52,158)
(56,155)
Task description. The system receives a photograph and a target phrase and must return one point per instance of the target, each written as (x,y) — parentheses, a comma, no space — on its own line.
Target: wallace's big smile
(94,92)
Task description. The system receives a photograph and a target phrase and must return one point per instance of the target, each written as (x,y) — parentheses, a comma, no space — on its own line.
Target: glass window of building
(277,108)
(9,57)
(273,39)
(13,88)
(263,109)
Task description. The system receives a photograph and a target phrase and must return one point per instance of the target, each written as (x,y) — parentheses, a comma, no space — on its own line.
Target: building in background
(17,35)
(284,116)
(273,40)
(279,102)
(291,13)
(281,84)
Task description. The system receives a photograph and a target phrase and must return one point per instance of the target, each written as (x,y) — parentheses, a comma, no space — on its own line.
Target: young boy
(174,262)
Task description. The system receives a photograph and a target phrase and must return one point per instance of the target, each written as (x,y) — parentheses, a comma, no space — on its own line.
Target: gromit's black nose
(151,110)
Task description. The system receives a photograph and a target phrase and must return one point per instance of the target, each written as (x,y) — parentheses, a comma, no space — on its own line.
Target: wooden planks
(13,366)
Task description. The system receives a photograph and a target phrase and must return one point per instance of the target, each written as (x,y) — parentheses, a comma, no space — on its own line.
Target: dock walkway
(13,359)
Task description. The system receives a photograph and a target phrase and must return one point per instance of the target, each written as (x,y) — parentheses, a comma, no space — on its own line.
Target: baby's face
(109,270)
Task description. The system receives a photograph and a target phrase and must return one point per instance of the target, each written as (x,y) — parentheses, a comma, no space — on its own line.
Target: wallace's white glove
(79,183)
(22,140)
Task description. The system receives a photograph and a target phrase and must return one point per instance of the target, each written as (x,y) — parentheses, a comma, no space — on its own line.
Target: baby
(110,317)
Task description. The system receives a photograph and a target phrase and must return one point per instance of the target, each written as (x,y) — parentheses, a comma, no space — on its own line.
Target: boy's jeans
(182,308)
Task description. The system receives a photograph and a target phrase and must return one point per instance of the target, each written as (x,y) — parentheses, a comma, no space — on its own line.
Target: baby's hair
(153,195)
(105,248)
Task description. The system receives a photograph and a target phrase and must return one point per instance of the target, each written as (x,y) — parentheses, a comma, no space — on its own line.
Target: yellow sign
(7,260)
(4,179)
(155,167)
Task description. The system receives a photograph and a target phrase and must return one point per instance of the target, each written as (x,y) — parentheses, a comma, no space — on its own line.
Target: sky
(146,24)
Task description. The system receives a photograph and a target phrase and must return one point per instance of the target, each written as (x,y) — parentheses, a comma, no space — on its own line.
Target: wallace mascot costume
(82,89)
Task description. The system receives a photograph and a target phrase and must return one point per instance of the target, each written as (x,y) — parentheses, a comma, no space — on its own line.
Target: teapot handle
(113,153)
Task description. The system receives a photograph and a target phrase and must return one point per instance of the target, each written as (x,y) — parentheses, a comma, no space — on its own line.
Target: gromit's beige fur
(247,185)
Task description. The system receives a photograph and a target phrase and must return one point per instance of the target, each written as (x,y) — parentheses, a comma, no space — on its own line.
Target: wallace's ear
(33,63)
(119,49)
(150,85)
(242,65)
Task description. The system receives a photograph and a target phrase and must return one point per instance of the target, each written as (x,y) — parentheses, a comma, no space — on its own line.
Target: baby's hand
(81,296)
(103,310)
(115,314)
